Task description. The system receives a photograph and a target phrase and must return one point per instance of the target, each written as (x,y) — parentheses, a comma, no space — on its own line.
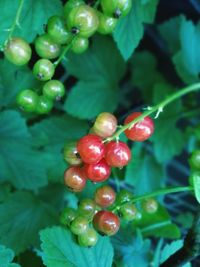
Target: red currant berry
(106,222)
(150,205)
(140,131)
(105,125)
(75,179)
(91,148)
(54,90)
(18,51)
(105,196)
(67,216)
(70,5)
(44,105)
(106,24)
(89,238)
(80,45)
(97,172)
(71,155)
(116,8)
(117,154)
(194,160)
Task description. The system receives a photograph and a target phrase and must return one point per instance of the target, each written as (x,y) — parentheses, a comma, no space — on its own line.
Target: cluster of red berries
(70,31)
(102,215)
(93,156)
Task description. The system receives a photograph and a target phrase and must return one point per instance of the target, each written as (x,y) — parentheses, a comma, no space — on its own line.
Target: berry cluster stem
(16,20)
(163,191)
(157,108)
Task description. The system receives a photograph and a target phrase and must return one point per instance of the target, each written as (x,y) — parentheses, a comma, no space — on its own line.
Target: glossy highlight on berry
(75,179)
(97,172)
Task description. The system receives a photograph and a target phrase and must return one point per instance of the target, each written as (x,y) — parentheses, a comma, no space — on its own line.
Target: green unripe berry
(27,100)
(83,20)
(106,24)
(194,160)
(43,69)
(79,45)
(46,47)
(67,216)
(79,225)
(54,90)
(44,105)
(18,51)
(128,212)
(150,205)
(71,155)
(87,208)
(70,5)
(116,8)
(88,239)
(124,196)
(57,30)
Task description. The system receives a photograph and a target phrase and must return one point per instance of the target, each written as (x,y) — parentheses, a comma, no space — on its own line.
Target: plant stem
(156,193)
(61,57)
(16,20)
(157,108)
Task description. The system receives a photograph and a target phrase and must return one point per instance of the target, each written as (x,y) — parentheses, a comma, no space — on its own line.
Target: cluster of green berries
(72,30)
(93,156)
(97,215)
(194,162)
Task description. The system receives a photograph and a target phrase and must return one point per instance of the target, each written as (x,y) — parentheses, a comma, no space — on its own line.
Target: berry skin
(67,216)
(150,205)
(71,155)
(44,105)
(18,51)
(106,24)
(70,5)
(117,154)
(124,196)
(58,31)
(105,125)
(54,90)
(116,8)
(194,160)
(27,100)
(46,47)
(87,208)
(43,69)
(140,131)
(83,20)
(97,172)
(89,238)
(106,222)
(75,179)
(105,196)
(80,45)
(91,148)
(79,225)
(128,212)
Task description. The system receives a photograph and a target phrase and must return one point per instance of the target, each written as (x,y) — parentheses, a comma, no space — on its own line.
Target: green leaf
(13,80)
(99,71)
(33,16)
(170,249)
(22,216)
(138,174)
(50,135)
(7,256)
(4,191)
(187,57)
(130,30)
(60,250)
(157,224)
(20,163)
(131,248)
(196,184)
(167,145)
